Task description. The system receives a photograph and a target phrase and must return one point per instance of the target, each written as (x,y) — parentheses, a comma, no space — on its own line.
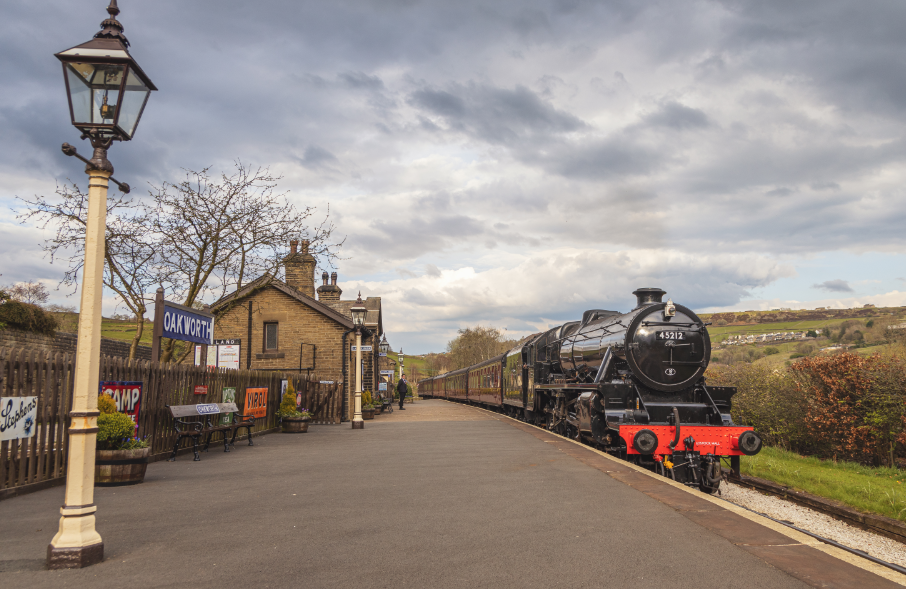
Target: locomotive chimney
(648,296)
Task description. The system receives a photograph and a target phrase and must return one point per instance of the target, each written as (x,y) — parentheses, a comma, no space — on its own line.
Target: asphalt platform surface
(439,495)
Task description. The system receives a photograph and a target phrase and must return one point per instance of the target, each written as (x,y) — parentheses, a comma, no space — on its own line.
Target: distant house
(868,306)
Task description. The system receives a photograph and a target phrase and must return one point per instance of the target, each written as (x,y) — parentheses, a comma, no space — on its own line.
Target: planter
(295,425)
(113,468)
(378,410)
(367,414)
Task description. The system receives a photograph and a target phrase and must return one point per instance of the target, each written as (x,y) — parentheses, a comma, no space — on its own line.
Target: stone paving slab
(439,495)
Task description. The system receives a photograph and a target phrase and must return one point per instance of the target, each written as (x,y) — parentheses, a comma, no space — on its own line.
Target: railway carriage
(631,384)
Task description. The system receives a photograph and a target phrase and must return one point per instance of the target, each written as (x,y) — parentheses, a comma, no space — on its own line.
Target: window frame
(276,326)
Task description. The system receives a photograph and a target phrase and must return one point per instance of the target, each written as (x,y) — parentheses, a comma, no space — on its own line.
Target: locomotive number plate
(674,335)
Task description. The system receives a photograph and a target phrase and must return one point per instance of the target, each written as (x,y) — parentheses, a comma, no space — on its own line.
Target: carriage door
(528,378)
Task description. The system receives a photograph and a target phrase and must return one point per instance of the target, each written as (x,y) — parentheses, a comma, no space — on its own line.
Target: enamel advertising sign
(128,397)
(256,402)
(18,417)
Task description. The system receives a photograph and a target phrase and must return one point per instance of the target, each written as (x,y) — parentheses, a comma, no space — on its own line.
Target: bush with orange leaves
(840,406)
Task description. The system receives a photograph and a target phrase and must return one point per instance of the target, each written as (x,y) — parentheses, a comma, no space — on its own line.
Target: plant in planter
(292,420)
(122,457)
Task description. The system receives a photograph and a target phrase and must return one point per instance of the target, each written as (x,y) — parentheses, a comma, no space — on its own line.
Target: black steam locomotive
(631,384)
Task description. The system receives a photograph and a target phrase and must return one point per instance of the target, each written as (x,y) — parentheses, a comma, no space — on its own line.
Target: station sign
(389,372)
(364,348)
(187,324)
(18,417)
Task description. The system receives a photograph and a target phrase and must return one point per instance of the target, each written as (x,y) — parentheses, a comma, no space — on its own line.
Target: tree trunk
(139,328)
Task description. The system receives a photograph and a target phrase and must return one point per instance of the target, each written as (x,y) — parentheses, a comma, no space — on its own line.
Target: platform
(438,495)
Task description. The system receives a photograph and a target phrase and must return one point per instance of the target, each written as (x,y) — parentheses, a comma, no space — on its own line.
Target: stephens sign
(17,417)
(187,324)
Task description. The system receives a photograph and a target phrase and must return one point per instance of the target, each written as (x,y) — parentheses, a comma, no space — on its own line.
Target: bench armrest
(244,417)
(196,425)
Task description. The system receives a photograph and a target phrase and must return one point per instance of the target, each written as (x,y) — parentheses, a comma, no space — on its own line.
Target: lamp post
(107,93)
(358,311)
(401,363)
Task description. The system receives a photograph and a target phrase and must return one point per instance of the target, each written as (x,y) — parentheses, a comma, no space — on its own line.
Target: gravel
(817,523)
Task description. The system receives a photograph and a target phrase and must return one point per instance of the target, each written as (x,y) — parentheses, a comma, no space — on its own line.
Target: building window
(270,336)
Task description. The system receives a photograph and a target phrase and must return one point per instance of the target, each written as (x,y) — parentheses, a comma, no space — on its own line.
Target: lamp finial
(111,28)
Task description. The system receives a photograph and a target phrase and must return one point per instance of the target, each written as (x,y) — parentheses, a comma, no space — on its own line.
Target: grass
(867,489)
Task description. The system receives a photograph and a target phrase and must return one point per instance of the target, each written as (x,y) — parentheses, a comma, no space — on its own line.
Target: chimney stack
(300,268)
(329,293)
(648,296)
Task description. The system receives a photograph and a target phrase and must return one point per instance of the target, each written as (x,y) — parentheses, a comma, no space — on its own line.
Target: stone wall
(65,343)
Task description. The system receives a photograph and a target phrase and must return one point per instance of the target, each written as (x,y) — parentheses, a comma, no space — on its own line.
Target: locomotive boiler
(631,384)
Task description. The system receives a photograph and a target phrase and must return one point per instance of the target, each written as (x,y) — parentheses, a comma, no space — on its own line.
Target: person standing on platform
(402,388)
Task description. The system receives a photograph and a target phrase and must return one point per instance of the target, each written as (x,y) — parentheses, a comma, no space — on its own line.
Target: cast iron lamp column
(358,311)
(107,93)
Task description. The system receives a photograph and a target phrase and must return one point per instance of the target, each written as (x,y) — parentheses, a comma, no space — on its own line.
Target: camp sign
(256,402)
(18,417)
(127,395)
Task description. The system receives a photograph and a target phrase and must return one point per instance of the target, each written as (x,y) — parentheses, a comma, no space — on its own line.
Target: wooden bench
(197,429)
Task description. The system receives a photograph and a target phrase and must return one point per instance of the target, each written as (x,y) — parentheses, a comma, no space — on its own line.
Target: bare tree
(131,265)
(475,344)
(32,292)
(217,233)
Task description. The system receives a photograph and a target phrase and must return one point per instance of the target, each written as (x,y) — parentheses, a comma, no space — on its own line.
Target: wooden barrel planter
(113,468)
(367,414)
(378,409)
(295,425)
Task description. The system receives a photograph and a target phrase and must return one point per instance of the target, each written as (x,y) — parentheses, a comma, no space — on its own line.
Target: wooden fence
(40,461)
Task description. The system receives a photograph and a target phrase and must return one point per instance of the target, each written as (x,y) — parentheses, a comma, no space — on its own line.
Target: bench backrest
(202,409)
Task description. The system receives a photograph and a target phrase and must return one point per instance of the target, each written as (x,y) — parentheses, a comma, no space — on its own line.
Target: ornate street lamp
(359,312)
(401,363)
(385,347)
(107,92)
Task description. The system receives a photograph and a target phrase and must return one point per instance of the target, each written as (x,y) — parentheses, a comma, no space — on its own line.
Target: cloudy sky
(513,163)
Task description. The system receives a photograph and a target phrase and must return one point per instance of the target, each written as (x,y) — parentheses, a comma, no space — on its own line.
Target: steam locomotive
(631,384)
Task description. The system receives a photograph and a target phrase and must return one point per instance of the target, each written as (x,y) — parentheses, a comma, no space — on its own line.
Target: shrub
(288,403)
(811,333)
(106,404)
(856,405)
(116,431)
(366,398)
(771,350)
(27,317)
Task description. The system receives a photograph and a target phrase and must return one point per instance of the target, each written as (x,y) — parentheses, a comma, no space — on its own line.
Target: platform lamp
(400,356)
(107,93)
(359,312)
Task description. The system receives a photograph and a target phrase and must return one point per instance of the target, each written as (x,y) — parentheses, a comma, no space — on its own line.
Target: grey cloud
(495,115)
(362,80)
(432,270)
(824,185)
(782,191)
(677,116)
(316,157)
(834,286)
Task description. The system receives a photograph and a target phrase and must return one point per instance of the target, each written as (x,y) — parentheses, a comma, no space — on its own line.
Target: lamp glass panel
(134,97)
(79,93)
(106,91)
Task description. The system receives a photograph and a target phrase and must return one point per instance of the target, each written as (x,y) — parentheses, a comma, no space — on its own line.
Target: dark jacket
(402,388)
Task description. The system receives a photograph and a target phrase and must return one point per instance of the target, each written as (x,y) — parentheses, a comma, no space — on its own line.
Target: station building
(289,325)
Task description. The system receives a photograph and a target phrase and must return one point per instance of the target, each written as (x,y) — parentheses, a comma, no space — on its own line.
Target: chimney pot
(292,246)
(648,296)
(305,244)
(333,278)
(324,278)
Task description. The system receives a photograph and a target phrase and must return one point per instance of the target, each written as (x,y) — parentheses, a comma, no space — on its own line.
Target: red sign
(201,389)
(128,397)
(256,402)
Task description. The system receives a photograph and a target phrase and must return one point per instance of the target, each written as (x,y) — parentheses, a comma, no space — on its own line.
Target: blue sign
(187,324)
(207,408)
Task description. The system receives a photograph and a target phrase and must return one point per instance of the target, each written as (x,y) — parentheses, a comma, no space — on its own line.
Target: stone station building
(290,326)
